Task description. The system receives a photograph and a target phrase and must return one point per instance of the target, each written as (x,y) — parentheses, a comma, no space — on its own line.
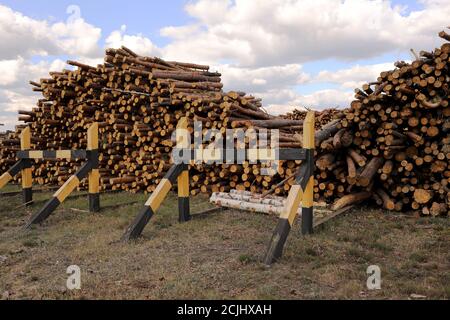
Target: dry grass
(217,256)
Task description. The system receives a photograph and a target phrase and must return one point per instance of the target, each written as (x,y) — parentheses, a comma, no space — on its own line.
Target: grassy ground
(217,256)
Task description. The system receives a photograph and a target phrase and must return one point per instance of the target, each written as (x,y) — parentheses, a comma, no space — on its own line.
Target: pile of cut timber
(392,145)
(399,153)
(138,102)
(322,117)
(9,145)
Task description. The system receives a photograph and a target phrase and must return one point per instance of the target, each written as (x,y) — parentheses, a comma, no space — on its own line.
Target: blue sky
(148,17)
(290,53)
(145,17)
(141,16)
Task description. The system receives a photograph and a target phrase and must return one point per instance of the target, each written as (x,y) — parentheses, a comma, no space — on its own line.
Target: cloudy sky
(289,52)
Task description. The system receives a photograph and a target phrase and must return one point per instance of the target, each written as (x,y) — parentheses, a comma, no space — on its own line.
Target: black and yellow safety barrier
(179,173)
(154,202)
(300,192)
(23,166)
(183,178)
(89,168)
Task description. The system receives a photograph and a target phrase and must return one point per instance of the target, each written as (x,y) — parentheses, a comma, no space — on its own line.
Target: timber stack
(401,126)
(391,145)
(9,145)
(322,117)
(138,102)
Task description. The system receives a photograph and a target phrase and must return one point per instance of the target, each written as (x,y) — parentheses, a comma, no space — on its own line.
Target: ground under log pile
(392,145)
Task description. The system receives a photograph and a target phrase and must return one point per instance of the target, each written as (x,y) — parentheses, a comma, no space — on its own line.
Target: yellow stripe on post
(94,181)
(182,123)
(27,179)
(308,131)
(182,134)
(92,136)
(25,144)
(158,195)
(4,179)
(309,145)
(36,154)
(64,154)
(25,139)
(67,188)
(266,154)
(212,154)
(308,195)
(292,204)
(183,184)
(261,154)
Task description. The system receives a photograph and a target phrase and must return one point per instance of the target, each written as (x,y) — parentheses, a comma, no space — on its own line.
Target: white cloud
(317,100)
(355,76)
(209,12)
(276,32)
(23,36)
(281,101)
(9,72)
(15,92)
(262,79)
(138,43)
(17,101)
(276,85)
(18,71)
(8,121)
(179,32)
(325,99)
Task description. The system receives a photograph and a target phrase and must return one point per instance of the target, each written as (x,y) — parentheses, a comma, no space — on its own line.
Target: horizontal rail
(52,154)
(244,154)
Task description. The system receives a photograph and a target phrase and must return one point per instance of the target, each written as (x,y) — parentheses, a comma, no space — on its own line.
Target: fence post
(94,174)
(153,203)
(59,196)
(308,192)
(182,139)
(9,175)
(74,181)
(302,191)
(27,179)
(285,223)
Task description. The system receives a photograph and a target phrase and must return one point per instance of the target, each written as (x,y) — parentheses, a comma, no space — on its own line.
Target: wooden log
(350,199)
(369,171)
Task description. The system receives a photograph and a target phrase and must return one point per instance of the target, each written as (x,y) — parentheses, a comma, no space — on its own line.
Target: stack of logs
(391,145)
(138,102)
(322,117)
(8,147)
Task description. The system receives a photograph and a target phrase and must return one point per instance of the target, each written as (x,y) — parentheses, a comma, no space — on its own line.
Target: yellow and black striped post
(153,203)
(301,191)
(23,166)
(94,174)
(182,138)
(74,181)
(67,188)
(308,193)
(5,178)
(9,175)
(27,179)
